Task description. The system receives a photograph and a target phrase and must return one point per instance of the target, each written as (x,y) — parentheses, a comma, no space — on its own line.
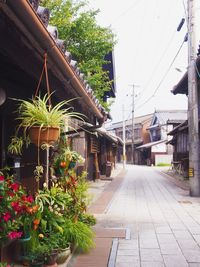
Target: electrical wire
(197,69)
(158,64)
(163,78)
(163,54)
(126,11)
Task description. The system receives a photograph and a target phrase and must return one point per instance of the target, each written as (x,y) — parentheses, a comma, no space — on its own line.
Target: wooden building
(181,148)
(180,140)
(158,150)
(99,148)
(141,136)
(26,37)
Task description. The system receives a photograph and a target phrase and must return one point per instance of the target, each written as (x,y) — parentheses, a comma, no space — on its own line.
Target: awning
(80,126)
(102,131)
(151,144)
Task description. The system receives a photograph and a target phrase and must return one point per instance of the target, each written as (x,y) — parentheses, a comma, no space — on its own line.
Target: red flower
(6,216)
(27,198)
(1,178)
(24,198)
(15,187)
(16,206)
(11,194)
(13,235)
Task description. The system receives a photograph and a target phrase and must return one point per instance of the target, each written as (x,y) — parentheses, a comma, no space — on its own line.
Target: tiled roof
(44,15)
(137,120)
(166,115)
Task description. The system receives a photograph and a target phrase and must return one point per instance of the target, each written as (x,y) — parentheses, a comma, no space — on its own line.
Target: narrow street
(164,222)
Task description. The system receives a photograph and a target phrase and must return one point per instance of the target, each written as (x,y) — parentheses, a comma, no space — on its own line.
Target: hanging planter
(42,122)
(44,135)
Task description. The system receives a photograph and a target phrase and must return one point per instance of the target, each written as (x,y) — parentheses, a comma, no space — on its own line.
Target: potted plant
(12,208)
(64,248)
(36,255)
(41,121)
(66,159)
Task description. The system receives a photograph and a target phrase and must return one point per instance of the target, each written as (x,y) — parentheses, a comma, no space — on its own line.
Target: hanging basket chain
(44,69)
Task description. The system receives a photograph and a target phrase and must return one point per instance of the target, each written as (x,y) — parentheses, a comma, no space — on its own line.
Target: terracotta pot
(44,135)
(63,254)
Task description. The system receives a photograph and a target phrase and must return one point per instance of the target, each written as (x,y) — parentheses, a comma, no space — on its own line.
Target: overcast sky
(147,44)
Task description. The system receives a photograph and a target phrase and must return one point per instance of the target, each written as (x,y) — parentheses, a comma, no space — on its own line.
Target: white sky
(147,44)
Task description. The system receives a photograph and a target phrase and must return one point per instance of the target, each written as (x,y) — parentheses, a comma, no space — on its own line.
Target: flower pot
(43,135)
(21,249)
(72,164)
(37,264)
(51,259)
(63,254)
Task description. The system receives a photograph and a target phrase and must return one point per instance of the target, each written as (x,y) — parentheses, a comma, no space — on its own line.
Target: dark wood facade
(25,40)
(141,136)
(181,147)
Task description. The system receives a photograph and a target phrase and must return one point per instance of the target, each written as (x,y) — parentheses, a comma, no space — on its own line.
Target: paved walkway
(163,220)
(105,237)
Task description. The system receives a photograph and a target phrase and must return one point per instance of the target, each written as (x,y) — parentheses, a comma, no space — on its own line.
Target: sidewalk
(155,209)
(103,192)
(178,180)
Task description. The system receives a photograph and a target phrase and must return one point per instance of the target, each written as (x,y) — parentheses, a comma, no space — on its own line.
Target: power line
(140,31)
(163,54)
(158,63)
(126,11)
(163,78)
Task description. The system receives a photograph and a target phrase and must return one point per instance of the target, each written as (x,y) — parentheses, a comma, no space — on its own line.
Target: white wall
(167,159)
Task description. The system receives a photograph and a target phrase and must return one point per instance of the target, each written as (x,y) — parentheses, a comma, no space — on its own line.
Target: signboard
(191,172)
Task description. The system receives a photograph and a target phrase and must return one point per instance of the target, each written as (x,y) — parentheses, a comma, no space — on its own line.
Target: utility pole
(193,116)
(133,122)
(124,138)
(133,109)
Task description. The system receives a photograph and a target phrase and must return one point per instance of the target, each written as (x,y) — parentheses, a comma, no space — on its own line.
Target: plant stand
(47,166)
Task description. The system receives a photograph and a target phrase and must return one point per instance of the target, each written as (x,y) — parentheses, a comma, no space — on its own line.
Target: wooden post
(96,164)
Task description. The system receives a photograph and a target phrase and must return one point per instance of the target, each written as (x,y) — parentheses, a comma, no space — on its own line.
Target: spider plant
(38,112)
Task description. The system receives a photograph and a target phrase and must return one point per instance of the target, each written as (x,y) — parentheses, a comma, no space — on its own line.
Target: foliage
(17,209)
(36,251)
(85,39)
(80,234)
(77,188)
(38,172)
(15,147)
(63,240)
(53,204)
(37,112)
(88,219)
(5,264)
(56,222)
(66,159)
(163,164)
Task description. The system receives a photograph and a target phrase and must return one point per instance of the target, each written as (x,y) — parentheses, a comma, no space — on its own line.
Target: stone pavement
(103,192)
(164,221)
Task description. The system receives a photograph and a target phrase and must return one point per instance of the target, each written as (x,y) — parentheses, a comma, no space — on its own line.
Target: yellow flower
(41,236)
